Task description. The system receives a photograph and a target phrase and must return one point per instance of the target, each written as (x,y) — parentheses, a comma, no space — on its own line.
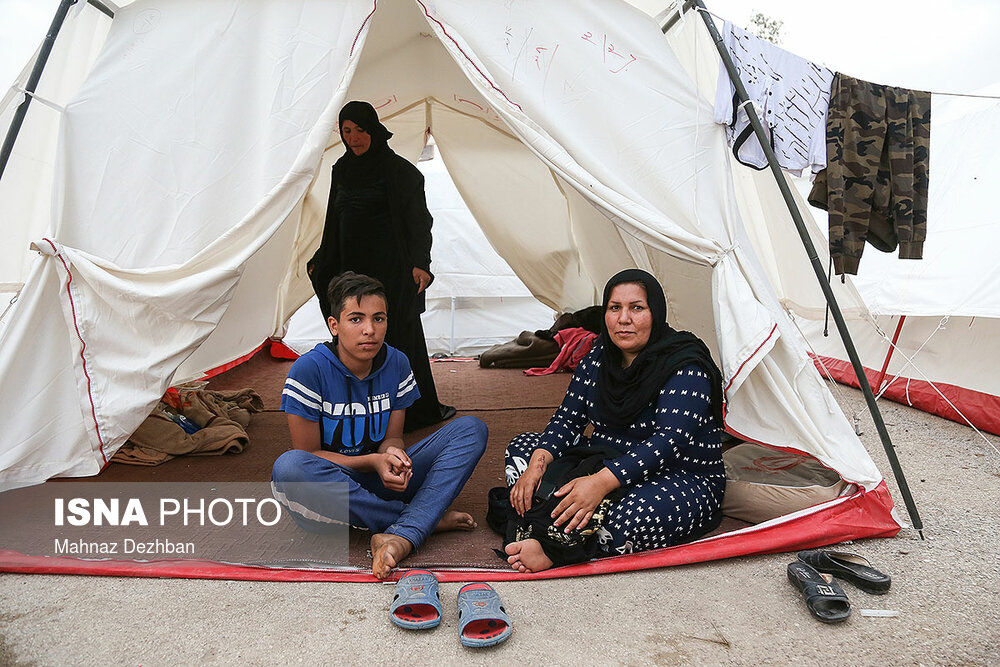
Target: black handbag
(561,547)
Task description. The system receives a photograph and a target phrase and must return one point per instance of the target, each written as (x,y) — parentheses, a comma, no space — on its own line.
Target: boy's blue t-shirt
(353,414)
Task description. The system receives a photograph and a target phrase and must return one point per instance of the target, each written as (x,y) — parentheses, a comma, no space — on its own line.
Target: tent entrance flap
(810,249)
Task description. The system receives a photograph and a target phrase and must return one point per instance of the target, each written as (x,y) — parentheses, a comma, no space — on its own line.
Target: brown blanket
(222,415)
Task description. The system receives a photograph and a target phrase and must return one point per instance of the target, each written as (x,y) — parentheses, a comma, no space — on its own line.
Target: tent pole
(32,84)
(451,346)
(838,317)
(688,4)
(101,7)
(888,355)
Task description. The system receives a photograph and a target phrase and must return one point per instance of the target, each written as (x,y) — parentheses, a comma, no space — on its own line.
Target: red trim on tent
(751,356)
(234,363)
(864,514)
(281,351)
(277,349)
(357,36)
(982,409)
(83,348)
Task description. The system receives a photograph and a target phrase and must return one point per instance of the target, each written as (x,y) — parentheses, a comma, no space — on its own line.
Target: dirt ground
(946,590)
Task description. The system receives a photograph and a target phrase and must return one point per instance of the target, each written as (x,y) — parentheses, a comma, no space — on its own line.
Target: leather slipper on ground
(482,619)
(824,597)
(417,602)
(849,567)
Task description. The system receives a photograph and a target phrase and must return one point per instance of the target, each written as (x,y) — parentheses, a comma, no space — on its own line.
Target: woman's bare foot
(455,520)
(527,556)
(387,551)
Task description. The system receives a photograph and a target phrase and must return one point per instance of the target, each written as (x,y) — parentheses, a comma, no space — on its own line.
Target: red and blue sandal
(482,620)
(417,602)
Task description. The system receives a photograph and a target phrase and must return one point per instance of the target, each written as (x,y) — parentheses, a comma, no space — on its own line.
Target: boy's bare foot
(527,556)
(387,551)
(455,520)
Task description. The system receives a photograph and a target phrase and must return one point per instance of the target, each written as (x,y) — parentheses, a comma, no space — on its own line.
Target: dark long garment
(876,181)
(380,226)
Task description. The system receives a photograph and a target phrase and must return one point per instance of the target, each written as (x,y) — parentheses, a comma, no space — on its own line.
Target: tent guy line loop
(11,303)
(725,252)
(704,10)
(41,100)
(748,104)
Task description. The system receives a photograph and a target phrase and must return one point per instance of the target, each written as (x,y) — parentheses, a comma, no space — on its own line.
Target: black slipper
(849,567)
(825,598)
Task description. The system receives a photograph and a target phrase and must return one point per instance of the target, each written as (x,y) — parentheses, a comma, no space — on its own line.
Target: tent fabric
(193,170)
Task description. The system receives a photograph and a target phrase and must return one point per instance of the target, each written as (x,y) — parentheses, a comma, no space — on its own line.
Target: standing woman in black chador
(377,224)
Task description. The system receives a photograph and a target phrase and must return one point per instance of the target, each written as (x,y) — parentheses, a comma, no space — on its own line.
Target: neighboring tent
(193,173)
(946,359)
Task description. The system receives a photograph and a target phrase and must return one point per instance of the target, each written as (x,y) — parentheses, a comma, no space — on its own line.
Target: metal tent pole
(32,84)
(800,225)
(36,75)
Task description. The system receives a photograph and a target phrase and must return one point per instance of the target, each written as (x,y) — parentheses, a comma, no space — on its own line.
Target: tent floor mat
(505,399)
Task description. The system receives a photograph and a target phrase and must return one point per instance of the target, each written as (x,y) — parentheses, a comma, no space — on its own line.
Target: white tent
(946,306)
(192,173)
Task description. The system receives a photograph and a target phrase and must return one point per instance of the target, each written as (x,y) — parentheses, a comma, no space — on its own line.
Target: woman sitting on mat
(654,397)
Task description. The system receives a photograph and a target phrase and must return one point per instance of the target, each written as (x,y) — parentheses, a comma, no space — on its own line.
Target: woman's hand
(580,497)
(523,491)
(421,278)
(394,468)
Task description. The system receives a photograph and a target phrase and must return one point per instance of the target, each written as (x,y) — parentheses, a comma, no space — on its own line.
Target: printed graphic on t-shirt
(356,428)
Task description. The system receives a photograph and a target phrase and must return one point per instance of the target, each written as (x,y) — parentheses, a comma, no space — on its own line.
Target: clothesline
(932,92)
(982,97)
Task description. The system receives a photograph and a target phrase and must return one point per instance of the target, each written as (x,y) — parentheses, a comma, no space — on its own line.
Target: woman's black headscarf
(365,168)
(622,393)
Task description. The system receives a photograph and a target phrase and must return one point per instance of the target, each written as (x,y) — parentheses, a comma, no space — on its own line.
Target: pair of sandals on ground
(482,619)
(813,574)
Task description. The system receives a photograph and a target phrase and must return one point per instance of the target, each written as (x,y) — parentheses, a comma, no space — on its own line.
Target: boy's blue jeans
(442,463)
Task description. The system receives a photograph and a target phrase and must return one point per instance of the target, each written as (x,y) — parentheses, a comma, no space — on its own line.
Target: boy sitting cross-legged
(346,402)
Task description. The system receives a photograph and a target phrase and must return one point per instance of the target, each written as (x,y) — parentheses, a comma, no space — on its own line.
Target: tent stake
(838,317)
(32,84)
